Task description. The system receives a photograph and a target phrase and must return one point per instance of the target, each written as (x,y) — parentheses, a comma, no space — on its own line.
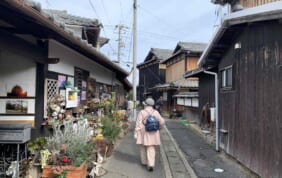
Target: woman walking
(148,139)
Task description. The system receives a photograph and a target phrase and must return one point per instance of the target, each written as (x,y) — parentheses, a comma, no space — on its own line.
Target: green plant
(35,146)
(111,128)
(63,174)
(71,142)
(79,154)
(59,172)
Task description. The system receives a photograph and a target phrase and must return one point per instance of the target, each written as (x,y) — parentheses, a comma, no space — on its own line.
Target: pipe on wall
(216,108)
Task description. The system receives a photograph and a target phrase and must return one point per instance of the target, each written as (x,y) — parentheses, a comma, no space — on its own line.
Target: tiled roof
(63,16)
(44,25)
(156,54)
(161,53)
(193,47)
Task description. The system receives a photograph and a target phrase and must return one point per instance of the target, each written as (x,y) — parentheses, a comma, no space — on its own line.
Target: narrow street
(125,161)
(73,75)
(202,156)
(183,153)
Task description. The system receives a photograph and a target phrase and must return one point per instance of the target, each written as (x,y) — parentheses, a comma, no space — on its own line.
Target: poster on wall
(10,106)
(83,90)
(61,81)
(71,80)
(83,95)
(16,107)
(71,98)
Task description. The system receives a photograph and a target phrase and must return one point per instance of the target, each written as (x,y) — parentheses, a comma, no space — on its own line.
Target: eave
(28,20)
(232,25)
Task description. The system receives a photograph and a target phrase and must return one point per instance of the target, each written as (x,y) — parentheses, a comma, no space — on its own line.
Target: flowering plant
(70,145)
(56,112)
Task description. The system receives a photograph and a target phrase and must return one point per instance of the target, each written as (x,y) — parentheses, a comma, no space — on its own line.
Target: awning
(186,95)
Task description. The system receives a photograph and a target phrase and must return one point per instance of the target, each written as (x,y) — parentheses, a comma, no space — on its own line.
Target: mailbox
(14,133)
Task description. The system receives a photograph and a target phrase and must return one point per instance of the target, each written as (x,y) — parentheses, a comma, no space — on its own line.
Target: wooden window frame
(226,81)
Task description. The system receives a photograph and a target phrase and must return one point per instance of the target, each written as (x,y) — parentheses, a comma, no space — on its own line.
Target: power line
(158,34)
(93,8)
(106,12)
(169,26)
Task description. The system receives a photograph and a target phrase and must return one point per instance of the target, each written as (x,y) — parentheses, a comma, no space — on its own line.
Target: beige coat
(147,138)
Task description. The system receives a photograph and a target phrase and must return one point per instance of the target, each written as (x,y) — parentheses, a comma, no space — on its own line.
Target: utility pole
(121,29)
(134,57)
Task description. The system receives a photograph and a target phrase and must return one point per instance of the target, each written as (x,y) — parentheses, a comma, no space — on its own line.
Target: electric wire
(91,4)
(106,12)
(164,22)
(93,8)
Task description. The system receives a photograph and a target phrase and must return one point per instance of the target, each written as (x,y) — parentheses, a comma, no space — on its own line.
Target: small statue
(12,170)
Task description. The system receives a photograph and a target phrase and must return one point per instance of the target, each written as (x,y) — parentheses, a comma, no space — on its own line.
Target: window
(80,81)
(226,77)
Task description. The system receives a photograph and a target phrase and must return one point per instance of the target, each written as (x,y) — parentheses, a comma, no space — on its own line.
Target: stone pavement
(183,154)
(202,156)
(177,165)
(125,161)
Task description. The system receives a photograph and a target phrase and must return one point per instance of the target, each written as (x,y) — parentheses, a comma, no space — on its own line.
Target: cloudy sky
(160,23)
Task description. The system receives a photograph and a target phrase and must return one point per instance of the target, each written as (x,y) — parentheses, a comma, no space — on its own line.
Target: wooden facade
(206,89)
(247,57)
(251,110)
(184,58)
(175,71)
(152,73)
(254,3)
(243,3)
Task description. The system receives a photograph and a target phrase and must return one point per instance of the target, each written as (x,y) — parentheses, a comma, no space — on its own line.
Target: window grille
(51,90)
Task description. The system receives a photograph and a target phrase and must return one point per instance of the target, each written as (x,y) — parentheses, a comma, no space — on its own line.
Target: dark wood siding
(149,77)
(251,111)
(206,91)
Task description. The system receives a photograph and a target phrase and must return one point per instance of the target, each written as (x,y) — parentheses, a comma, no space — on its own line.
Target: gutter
(216,108)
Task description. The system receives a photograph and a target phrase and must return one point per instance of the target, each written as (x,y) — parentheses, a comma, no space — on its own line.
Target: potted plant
(34,147)
(70,148)
(110,131)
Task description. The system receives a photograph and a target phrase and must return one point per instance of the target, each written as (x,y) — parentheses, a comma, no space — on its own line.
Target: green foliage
(76,138)
(111,128)
(63,174)
(130,95)
(37,144)
(79,154)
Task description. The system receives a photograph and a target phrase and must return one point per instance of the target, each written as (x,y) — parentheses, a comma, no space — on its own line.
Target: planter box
(73,172)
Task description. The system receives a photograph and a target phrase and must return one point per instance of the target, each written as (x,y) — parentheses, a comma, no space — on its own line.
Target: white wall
(70,58)
(16,70)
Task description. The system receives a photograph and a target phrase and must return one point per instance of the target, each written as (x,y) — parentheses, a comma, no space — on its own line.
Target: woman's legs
(148,155)
(143,154)
(151,154)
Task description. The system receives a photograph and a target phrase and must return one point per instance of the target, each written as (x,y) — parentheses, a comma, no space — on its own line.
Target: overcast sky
(160,23)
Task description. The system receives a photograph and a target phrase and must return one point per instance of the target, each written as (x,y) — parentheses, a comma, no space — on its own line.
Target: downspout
(216,108)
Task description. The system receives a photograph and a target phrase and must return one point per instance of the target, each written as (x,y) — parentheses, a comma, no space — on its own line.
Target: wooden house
(181,94)
(39,55)
(242,4)
(152,73)
(206,90)
(246,53)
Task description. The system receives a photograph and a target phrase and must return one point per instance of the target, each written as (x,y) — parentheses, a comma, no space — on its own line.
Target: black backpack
(152,123)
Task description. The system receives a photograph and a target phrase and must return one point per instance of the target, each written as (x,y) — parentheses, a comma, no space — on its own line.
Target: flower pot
(73,172)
